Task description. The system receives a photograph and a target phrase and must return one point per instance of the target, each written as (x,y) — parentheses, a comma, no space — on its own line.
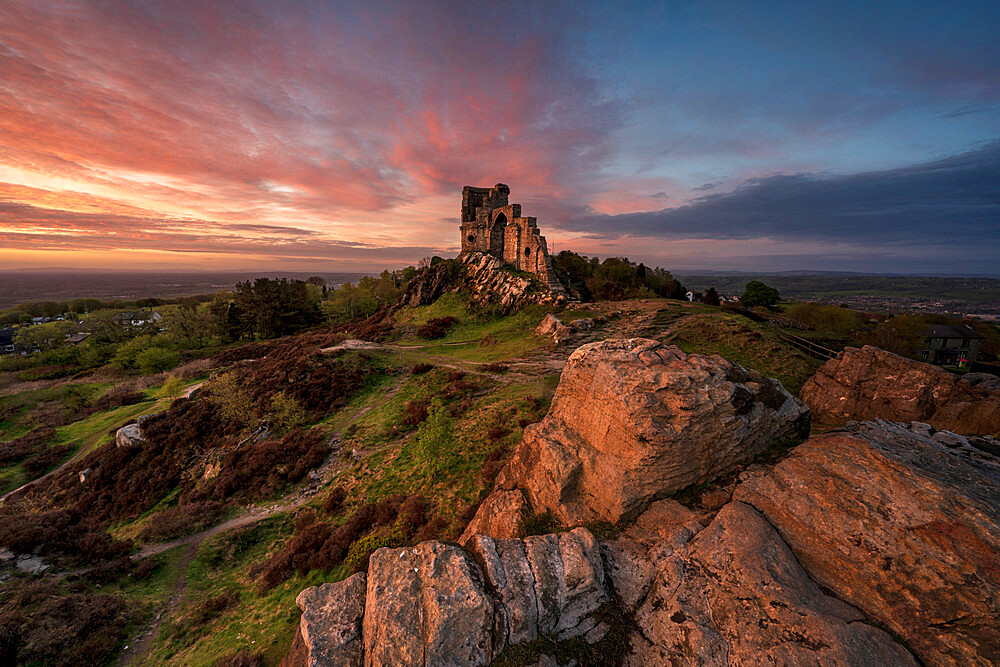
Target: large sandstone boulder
(547,585)
(903,523)
(736,595)
(869,383)
(634,420)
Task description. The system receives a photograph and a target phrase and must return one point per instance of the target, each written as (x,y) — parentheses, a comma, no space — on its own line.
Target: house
(77,338)
(948,345)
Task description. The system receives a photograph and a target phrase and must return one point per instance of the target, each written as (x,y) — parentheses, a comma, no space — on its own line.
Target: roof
(947,331)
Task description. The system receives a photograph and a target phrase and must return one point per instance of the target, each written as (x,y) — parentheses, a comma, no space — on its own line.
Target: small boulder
(129,435)
(548,325)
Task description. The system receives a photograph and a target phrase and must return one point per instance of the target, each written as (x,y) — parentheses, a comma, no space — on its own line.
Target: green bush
(156,360)
(435,438)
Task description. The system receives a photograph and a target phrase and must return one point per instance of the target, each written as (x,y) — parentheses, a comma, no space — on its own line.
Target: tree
(230,398)
(711,297)
(268,308)
(47,336)
(902,334)
(757,293)
(172,387)
(156,360)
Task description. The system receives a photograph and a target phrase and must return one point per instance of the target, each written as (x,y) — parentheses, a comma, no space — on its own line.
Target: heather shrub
(45,460)
(495,367)
(19,448)
(182,520)
(437,327)
(420,369)
(335,500)
(414,412)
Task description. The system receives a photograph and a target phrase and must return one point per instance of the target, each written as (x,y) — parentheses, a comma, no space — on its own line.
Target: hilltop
(257,469)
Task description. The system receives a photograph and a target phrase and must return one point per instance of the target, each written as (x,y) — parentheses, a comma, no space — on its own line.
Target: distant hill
(877,293)
(62,284)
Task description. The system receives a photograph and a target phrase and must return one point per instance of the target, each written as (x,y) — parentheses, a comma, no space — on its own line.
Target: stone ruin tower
(492,225)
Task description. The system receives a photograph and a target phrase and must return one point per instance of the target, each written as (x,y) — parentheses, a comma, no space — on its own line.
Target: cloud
(954,200)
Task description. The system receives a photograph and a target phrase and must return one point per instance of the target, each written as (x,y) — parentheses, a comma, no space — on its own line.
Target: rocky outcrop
(869,383)
(634,420)
(901,522)
(499,516)
(129,435)
(490,283)
(434,605)
(736,595)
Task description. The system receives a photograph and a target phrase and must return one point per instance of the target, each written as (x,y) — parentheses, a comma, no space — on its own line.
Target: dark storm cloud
(951,200)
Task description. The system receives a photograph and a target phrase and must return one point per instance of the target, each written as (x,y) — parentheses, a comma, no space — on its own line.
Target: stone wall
(491,225)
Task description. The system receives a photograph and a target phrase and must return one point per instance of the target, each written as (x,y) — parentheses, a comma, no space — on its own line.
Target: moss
(611,650)
(538,524)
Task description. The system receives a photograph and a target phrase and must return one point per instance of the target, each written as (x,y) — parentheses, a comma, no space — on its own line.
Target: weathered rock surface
(498,516)
(547,584)
(427,605)
(633,420)
(902,523)
(129,435)
(433,605)
(736,595)
(490,282)
(330,627)
(869,383)
(630,561)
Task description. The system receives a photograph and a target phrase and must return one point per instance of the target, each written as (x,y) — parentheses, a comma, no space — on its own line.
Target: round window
(472,239)
(527,252)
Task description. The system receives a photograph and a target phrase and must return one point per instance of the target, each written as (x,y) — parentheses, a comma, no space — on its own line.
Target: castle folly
(493,226)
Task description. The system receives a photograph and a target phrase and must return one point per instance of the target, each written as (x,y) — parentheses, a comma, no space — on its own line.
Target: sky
(337,136)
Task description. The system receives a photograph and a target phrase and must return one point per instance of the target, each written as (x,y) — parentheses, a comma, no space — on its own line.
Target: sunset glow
(337,136)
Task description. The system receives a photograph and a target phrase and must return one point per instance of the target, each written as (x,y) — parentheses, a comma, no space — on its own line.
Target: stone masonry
(492,225)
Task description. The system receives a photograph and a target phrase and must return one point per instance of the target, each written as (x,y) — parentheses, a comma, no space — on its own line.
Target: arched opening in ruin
(527,252)
(497,234)
(472,238)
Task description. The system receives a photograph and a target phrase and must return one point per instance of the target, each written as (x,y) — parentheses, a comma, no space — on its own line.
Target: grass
(259,624)
(454,481)
(83,436)
(741,341)
(510,337)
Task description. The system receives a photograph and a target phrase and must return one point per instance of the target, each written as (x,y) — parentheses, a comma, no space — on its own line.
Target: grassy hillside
(205,534)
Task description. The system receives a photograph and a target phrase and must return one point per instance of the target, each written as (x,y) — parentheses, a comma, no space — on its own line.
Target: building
(492,225)
(947,345)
